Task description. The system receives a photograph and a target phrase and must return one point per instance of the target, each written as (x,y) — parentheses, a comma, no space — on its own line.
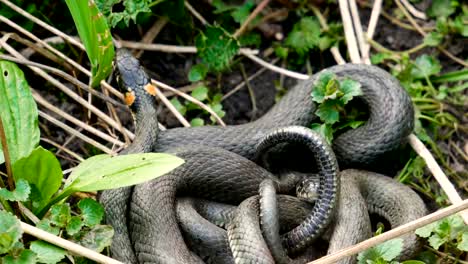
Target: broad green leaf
(218,109)
(25,257)
(98,238)
(381,253)
(18,112)
(47,253)
(281,52)
(91,211)
(197,73)
(216,48)
(10,231)
(21,192)
(463,243)
(103,172)
(74,225)
(197,122)
(200,93)
(379,57)
(60,214)
(350,89)
(425,66)
(304,36)
(328,112)
(96,37)
(413,262)
(460,25)
(42,171)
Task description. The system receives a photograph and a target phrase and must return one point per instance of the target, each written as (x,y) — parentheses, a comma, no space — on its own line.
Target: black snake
(218,167)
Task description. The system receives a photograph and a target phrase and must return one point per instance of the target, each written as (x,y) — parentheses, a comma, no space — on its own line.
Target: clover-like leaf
(304,36)
(10,231)
(200,93)
(197,73)
(350,89)
(97,238)
(425,66)
(91,211)
(21,192)
(47,253)
(26,256)
(328,112)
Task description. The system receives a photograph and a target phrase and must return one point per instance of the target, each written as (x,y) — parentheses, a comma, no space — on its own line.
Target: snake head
(132,79)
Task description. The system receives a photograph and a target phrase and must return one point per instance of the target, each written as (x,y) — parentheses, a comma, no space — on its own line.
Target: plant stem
(6,154)
(249,19)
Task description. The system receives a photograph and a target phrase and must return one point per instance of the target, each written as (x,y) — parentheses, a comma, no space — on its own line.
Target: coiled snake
(219,167)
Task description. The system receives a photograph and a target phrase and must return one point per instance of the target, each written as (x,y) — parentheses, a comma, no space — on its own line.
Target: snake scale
(219,167)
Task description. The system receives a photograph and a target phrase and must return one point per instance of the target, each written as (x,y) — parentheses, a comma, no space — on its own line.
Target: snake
(211,151)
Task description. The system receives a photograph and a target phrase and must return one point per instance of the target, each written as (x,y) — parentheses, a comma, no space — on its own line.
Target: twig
(74,132)
(396,232)
(253,100)
(249,19)
(242,84)
(334,50)
(42,24)
(68,151)
(357,26)
(67,91)
(349,32)
(64,75)
(195,13)
(151,34)
(171,108)
(189,98)
(74,120)
(374,19)
(439,175)
(277,69)
(65,244)
(168,48)
(413,10)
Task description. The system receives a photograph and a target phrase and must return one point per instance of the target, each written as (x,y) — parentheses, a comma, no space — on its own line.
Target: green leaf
(436,241)
(433,39)
(322,86)
(197,73)
(325,130)
(98,238)
(328,112)
(304,36)
(46,225)
(26,256)
(386,251)
(60,214)
(74,225)
(460,25)
(10,231)
(18,111)
(21,192)
(180,108)
(103,172)
(218,109)
(42,170)
(425,66)
(427,230)
(241,13)
(200,93)
(463,244)
(96,37)
(350,88)
(442,8)
(91,211)
(216,48)
(197,122)
(47,253)
(413,262)
(281,52)
(379,57)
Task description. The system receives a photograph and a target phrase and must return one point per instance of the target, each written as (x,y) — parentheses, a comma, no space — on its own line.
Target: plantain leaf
(95,34)
(103,172)
(18,112)
(42,170)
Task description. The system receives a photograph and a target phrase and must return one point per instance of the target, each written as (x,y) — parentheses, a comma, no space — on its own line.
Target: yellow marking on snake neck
(129,98)
(151,89)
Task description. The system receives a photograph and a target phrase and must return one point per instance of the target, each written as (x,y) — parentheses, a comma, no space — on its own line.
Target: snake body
(221,169)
